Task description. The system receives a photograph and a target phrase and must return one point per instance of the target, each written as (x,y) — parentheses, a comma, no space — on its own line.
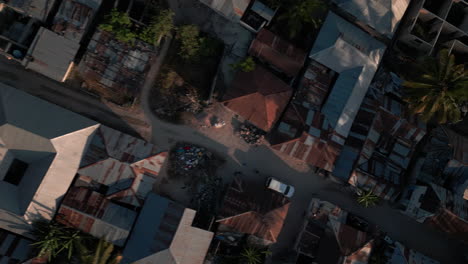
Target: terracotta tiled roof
(281,54)
(253,209)
(259,97)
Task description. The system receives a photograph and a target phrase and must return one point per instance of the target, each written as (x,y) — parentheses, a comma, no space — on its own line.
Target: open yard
(185,83)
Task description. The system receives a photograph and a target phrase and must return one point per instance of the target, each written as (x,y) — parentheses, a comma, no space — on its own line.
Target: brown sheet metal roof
(258,96)
(281,54)
(330,225)
(253,209)
(459,144)
(449,223)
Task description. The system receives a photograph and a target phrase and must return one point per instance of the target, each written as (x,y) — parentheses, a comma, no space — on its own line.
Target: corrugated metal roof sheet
(277,52)
(164,231)
(382,15)
(73,18)
(38,9)
(254,210)
(119,66)
(258,96)
(52,54)
(450,223)
(329,224)
(116,169)
(342,47)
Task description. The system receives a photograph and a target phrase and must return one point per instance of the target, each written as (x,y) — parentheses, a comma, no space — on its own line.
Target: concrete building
(55,164)
(379,18)
(435,24)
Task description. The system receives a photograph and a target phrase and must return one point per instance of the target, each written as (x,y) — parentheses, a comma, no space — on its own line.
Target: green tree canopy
(246,65)
(188,36)
(439,88)
(119,24)
(368,199)
(302,14)
(161,26)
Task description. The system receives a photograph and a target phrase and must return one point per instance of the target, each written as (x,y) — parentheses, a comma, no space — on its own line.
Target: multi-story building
(435,24)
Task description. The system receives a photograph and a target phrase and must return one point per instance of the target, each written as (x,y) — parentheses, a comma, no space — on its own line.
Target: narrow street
(307,183)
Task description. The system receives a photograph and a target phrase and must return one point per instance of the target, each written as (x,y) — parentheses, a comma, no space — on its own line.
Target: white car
(280,187)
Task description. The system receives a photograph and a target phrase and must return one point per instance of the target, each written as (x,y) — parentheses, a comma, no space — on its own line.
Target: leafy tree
(368,199)
(301,14)
(54,239)
(439,89)
(161,26)
(101,254)
(119,24)
(188,36)
(246,65)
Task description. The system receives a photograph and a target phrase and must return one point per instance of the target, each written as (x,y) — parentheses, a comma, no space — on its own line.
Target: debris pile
(251,134)
(188,157)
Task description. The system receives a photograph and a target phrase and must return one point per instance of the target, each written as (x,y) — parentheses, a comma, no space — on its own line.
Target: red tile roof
(258,96)
(254,210)
(277,52)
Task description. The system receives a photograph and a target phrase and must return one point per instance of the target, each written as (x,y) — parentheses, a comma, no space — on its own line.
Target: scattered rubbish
(219,124)
(251,134)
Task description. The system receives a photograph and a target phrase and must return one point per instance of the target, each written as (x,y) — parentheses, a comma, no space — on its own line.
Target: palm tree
(301,14)
(367,199)
(102,254)
(54,238)
(253,255)
(439,90)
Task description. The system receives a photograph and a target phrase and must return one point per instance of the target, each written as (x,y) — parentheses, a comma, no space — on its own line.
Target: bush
(119,24)
(188,36)
(161,26)
(246,65)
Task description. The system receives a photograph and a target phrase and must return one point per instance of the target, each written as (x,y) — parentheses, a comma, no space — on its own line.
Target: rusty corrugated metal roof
(254,210)
(73,18)
(449,223)
(329,224)
(116,169)
(277,52)
(116,65)
(258,96)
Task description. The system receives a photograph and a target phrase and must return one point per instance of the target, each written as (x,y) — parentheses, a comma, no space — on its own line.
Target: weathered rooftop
(51,148)
(116,65)
(254,210)
(315,125)
(280,54)
(164,233)
(52,54)
(330,234)
(38,9)
(258,96)
(382,15)
(116,169)
(73,18)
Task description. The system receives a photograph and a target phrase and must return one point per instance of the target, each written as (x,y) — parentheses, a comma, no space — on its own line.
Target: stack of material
(251,134)
(188,157)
